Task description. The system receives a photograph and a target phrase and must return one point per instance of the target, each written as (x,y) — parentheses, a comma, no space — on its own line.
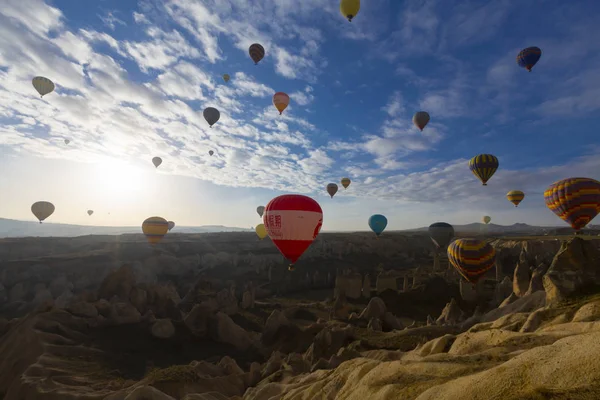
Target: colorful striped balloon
(528,57)
(574,200)
(483,166)
(293,221)
(155,228)
(515,197)
(472,258)
(257,52)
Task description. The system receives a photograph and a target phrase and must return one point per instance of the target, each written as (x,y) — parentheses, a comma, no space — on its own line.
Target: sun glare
(118,180)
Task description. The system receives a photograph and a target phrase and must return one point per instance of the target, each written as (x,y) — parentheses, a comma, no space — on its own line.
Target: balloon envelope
(226,77)
(293,221)
(346,182)
(210,152)
(441,234)
(42,210)
(67,141)
(486,219)
(349,8)
(90,212)
(156,161)
(211,115)
(261,231)
(332,189)
(472,258)
(281,101)
(257,52)
(528,57)
(171,225)
(515,197)
(43,85)
(483,166)
(574,200)
(155,228)
(421,119)
(377,223)
(260,210)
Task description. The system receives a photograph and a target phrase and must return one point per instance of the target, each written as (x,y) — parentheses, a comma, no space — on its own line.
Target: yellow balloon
(349,8)
(155,228)
(281,101)
(346,182)
(261,231)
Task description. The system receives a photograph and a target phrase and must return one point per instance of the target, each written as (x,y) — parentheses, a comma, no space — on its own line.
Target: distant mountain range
(15,228)
(508,229)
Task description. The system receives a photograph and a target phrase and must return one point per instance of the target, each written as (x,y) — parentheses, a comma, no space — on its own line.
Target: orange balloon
(281,101)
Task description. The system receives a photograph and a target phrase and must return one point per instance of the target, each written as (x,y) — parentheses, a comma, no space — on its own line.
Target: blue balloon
(377,223)
(528,57)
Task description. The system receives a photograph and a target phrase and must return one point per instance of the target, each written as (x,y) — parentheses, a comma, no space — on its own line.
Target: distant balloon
(281,101)
(171,225)
(90,212)
(156,161)
(261,231)
(486,219)
(155,228)
(43,85)
(472,258)
(226,77)
(483,166)
(210,152)
(332,189)
(515,197)
(257,52)
(346,182)
(528,57)
(574,200)
(349,8)
(441,234)
(260,210)
(377,223)
(211,115)
(421,119)
(67,141)
(293,221)
(42,210)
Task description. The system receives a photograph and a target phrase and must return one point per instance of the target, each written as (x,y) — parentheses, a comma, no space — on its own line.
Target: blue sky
(134,76)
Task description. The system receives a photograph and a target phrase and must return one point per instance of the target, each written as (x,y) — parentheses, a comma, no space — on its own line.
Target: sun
(118,180)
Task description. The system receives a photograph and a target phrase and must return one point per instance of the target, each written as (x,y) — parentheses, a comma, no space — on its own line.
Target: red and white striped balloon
(293,221)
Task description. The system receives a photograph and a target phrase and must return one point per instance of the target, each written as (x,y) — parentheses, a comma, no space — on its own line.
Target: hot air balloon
(421,119)
(528,57)
(42,210)
(515,197)
(155,228)
(257,52)
(210,152)
(332,189)
(346,182)
(211,115)
(171,225)
(90,212)
(483,166)
(441,233)
(226,77)
(472,258)
(43,85)
(349,8)
(261,231)
(486,219)
(281,101)
(293,221)
(377,223)
(156,161)
(260,210)
(574,200)
(67,141)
